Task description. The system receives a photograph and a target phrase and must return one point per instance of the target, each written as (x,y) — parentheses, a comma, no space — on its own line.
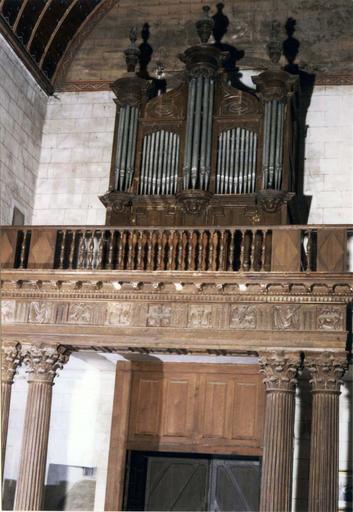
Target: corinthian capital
(326,370)
(10,359)
(42,363)
(280,369)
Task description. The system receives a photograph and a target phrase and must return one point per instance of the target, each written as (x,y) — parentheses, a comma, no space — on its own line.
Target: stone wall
(22,113)
(75,159)
(77,144)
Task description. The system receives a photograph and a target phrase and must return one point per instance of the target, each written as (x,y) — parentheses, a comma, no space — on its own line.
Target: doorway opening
(191,482)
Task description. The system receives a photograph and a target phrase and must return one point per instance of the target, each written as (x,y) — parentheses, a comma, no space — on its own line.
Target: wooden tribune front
(183,407)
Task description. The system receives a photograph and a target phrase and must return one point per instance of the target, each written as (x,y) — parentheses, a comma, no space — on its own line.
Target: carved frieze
(330,318)
(159,315)
(200,315)
(243,317)
(286,317)
(173,310)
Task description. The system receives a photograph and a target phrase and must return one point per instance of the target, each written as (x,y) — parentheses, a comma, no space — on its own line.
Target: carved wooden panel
(42,249)
(202,407)
(331,250)
(8,240)
(286,250)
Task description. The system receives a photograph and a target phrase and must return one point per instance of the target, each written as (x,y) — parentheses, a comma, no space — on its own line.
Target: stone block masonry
(22,114)
(75,159)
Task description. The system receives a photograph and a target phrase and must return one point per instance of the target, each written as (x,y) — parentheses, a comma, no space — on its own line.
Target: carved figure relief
(286,317)
(329,319)
(200,316)
(119,313)
(80,313)
(243,317)
(8,311)
(159,315)
(40,312)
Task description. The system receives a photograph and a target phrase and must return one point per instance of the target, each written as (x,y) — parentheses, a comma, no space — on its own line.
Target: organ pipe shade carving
(273,145)
(197,157)
(126,147)
(236,161)
(160,162)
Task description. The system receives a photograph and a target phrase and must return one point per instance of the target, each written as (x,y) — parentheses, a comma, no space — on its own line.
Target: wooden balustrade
(245,249)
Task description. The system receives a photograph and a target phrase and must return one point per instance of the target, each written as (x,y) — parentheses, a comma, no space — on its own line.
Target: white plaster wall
(80,421)
(22,113)
(77,144)
(75,159)
(329,155)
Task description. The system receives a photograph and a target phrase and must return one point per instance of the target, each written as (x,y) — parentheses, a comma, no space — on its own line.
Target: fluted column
(280,370)
(42,364)
(10,359)
(326,370)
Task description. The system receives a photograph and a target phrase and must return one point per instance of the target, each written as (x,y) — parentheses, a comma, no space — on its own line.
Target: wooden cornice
(20,50)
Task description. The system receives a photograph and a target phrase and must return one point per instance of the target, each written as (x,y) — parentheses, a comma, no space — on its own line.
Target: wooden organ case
(205,153)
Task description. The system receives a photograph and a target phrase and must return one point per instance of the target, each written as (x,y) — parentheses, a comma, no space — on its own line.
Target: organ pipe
(126,147)
(273,144)
(236,161)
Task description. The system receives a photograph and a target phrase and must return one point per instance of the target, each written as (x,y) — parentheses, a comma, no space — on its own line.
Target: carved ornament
(280,369)
(10,360)
(193,201)
(271,200)
(243,317)
(130,90)
(118,202)
(170,105)
(42,363)
(234,102)
(326,370)
(203,61)
(286,317)
(329,319)
(275,85)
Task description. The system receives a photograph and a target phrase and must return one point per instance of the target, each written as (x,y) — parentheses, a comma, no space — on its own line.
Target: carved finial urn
(205,25)
(132,53)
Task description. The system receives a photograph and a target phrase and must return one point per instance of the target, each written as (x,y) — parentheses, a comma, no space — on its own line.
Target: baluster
(82,250)
(189,251)
(222,258)
(246,249)
(309,251)
(170,250)
(231,250)
(205,245)
(149,251)
(242,250)
(130,250)
(111,249)
(72,250)
(199,251)
(159,250)
(99,263)
(214,245)
(62,249)
(23,248)
(121,247)
(252,250)
(210,252)
(165,251)
(183,261)
(90,251)
(263,250)
(139,250)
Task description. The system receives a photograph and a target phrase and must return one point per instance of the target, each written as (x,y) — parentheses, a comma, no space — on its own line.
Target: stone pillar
(280,370)
(42,364)
(10,359)
(326,370)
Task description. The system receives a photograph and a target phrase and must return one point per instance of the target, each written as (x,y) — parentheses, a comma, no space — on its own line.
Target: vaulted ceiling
(43,30)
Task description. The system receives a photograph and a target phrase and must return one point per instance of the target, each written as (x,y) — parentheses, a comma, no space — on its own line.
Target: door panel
(176,484)
(234,486)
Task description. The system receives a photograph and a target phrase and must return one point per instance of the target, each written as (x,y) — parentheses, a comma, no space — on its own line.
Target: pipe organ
(205,152)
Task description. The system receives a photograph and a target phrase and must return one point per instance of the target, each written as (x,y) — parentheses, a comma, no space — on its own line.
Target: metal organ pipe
(126,147)
(236,161)
(273,144)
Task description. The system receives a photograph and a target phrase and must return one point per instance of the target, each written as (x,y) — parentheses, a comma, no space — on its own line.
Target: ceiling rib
(19,15)
(35,28)
(57,29)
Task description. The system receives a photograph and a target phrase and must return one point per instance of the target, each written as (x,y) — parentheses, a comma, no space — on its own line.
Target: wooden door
(234,486)
(177,484)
